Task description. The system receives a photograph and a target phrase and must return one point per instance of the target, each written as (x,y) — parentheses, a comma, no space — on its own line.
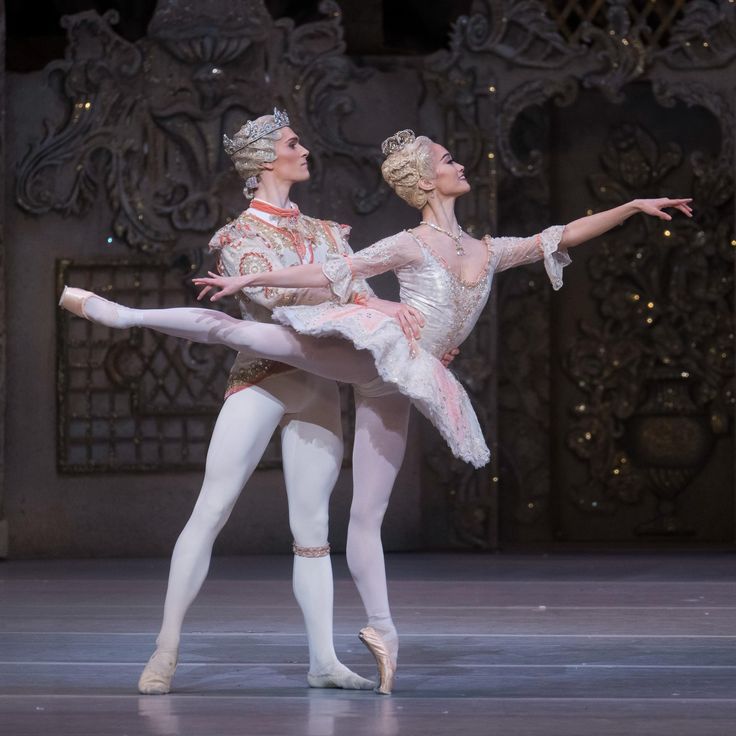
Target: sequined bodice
(450,306)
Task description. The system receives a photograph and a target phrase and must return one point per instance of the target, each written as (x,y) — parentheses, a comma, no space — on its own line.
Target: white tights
(381,425)
(381,422)
(329,357)
(308,409)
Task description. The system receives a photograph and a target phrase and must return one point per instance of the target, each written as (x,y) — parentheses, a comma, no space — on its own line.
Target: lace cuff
(339,274)
(555,258)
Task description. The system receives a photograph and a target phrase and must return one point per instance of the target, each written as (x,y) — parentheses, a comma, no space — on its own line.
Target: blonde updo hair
(249,160)
(404,168)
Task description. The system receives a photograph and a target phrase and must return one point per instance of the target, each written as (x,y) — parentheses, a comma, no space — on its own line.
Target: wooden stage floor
(495,645)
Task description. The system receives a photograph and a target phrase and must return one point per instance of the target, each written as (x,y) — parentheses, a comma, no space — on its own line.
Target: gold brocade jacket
(251,244)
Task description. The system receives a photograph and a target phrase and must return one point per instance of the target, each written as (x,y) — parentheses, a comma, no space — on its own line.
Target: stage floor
(503,644)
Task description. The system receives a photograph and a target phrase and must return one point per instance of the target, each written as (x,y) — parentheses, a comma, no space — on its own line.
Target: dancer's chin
(462,187)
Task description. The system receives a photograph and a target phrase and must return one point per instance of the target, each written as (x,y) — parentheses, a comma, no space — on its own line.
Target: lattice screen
(657,16)
(135,400)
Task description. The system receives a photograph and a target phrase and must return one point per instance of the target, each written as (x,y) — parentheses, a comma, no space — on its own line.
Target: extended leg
(380,442)
(331,358)
(244,427)
(312,451)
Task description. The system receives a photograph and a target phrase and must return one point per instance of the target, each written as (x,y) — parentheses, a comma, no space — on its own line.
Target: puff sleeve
(345,271)
(509,252)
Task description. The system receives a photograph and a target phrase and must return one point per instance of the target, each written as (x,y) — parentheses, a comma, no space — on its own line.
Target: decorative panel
(652,363)
(134,399)
(143,122)
(655,18)
(509,66)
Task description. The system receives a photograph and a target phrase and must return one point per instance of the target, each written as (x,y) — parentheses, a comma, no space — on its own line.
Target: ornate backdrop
(608,406)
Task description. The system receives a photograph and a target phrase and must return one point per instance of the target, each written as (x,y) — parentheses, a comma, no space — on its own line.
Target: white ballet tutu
(431,387)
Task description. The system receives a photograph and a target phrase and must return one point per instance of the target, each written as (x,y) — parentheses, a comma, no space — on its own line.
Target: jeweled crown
(254,131)
(397,141)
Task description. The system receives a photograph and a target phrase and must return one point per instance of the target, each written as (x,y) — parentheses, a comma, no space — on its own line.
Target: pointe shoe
(73,300)
(376,645)
(158,673)
(105,312)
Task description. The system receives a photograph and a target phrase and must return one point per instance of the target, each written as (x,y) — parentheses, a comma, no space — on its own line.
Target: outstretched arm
(306,276)
(586,228)
(339,272)
(311,275)
(552,244)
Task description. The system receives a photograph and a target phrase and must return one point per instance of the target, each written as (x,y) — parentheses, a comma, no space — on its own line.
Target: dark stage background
(608,405)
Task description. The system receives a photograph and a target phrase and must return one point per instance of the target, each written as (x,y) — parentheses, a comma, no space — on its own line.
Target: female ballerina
(444,274)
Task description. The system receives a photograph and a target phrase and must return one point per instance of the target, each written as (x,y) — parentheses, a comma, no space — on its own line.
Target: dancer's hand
(655,207)
(227,284)
(449,356)
(410,319)
(591,226)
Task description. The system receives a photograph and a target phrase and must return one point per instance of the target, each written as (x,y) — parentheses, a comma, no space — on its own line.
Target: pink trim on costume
(449,390)
(350,265)
(272,209)
(538,243)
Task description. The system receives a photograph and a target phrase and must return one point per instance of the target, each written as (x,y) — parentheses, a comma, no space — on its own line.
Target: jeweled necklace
(455,238)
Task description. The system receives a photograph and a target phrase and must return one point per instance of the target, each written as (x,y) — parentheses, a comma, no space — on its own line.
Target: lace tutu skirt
(431,387)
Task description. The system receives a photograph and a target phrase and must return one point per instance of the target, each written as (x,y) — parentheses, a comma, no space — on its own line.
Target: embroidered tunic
(256,242)
(451,307)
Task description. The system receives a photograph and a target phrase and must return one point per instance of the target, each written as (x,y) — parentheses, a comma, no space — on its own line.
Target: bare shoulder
(476,245)
(484,240)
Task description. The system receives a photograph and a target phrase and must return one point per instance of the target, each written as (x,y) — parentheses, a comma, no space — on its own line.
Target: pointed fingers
(417,316)
(405,327)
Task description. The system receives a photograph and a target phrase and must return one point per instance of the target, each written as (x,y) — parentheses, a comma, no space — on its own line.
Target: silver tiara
(397,141)
(254,131)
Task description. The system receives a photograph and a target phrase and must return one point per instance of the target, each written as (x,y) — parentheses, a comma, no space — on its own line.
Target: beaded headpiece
(254,131)
(397,141)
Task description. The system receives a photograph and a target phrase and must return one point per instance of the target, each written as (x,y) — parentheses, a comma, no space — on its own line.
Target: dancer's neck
(441,212)
(274,192)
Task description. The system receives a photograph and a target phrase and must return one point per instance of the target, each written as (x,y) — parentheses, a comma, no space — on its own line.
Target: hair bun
(408,161)
(397,141)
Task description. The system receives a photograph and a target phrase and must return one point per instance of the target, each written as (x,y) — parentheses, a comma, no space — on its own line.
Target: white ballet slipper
(340,677)
(158,673)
